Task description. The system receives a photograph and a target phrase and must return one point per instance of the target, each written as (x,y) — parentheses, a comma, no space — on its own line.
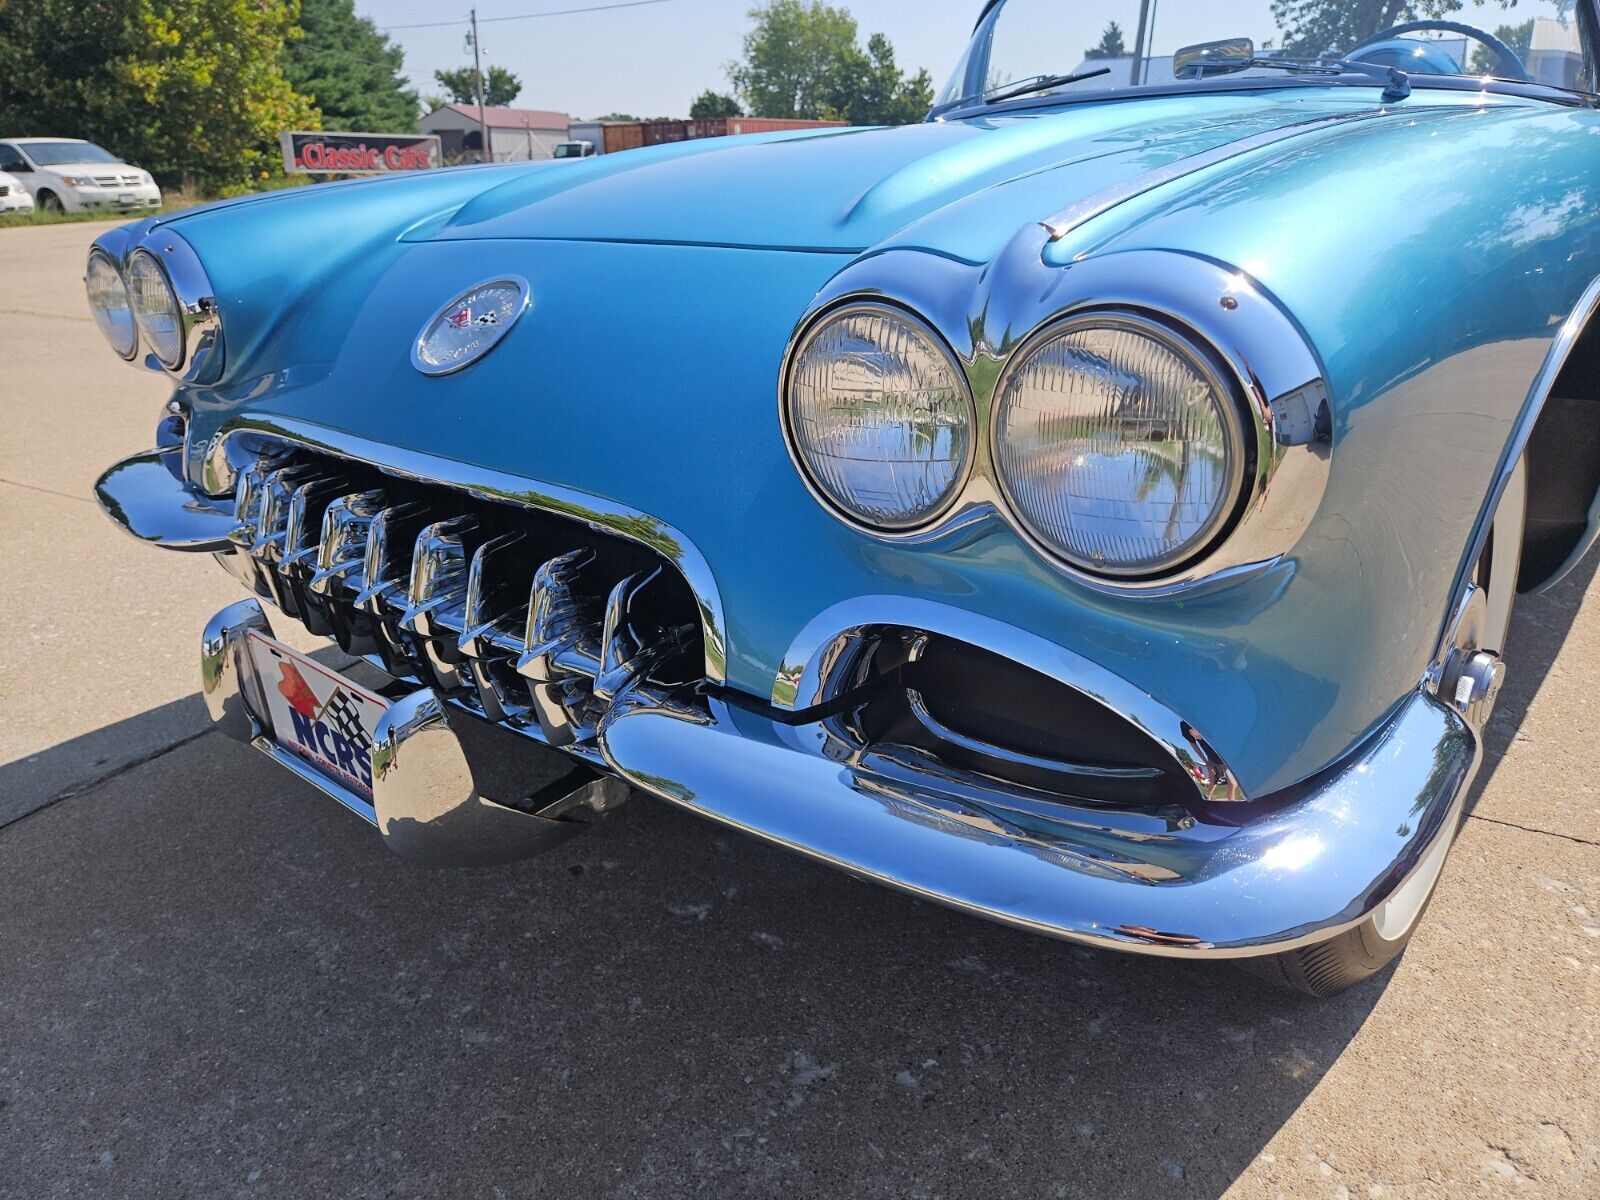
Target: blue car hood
(847,190)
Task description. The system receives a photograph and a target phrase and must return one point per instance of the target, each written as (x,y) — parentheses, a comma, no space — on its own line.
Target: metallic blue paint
(1429,254)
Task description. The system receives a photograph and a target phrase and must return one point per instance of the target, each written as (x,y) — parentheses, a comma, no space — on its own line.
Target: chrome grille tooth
(272,525)
(343,549)
(556,634)
(302,536)
(486,625)
(438,580)
(386,562)
(436,595)
(623,655)
(248,495)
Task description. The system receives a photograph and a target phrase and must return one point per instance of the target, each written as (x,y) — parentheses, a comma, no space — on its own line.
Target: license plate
(318,715)
(126,198)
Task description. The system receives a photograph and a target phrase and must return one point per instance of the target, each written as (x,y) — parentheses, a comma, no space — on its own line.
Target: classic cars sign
(358,153)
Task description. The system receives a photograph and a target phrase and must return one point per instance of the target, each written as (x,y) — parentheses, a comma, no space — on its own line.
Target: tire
(1327,968)
(51,203)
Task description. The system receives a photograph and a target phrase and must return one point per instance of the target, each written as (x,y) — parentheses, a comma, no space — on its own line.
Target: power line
(560,12)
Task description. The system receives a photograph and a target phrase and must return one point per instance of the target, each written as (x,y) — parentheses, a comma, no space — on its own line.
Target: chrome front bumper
(1291,871)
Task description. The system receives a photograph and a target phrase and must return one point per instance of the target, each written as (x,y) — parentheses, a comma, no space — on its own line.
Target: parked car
(13,196)
(1099,508)
(574,150)
(73,175)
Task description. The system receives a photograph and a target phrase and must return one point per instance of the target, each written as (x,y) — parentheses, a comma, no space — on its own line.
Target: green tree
(881,94)
(800,61)
(500,86)
(191,90)
(803,61)
(709,104)
(1111,44)
(1315,27)
(352,72)
(1519,37)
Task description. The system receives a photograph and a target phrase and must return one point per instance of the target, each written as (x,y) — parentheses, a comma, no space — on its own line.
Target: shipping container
(608,137)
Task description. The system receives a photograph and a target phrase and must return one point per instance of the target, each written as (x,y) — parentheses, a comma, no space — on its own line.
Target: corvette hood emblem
(471,325)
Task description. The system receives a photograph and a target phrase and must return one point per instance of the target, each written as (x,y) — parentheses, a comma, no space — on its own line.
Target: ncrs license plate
(317,715)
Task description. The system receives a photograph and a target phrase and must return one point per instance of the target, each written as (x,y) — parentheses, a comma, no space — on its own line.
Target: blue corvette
(1099,507)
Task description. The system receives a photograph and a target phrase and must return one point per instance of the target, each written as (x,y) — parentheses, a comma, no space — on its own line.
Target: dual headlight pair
(141,302)
(1113,439)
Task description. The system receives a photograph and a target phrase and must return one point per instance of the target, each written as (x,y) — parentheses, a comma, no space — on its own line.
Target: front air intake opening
(976,714)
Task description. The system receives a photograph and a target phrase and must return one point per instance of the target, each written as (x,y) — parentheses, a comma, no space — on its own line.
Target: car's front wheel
(1328,968)
(50,202)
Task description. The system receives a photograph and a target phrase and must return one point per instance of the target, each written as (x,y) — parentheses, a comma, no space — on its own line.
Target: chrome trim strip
(1300,875)
(812,669)
(1084,210)
(1555,359)
(602,515)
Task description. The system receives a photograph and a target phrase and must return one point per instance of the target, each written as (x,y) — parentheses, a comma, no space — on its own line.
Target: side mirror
(1213,58)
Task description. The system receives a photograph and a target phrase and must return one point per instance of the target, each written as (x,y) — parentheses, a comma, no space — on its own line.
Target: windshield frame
(973,103)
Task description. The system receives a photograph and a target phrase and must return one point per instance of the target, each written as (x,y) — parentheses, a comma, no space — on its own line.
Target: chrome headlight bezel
(1227,400)
(989,313)
(199,318)
(97,256)
(142,263)
(805,335)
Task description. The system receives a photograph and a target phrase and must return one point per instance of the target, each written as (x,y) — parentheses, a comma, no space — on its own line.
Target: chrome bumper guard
(1297,870)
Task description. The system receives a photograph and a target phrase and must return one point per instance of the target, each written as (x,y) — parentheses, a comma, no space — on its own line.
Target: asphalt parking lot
(215,983)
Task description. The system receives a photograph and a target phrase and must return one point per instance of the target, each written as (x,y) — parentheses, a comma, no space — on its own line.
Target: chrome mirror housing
(1213,58)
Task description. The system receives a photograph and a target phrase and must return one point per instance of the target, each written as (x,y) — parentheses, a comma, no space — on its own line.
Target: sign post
(359,153)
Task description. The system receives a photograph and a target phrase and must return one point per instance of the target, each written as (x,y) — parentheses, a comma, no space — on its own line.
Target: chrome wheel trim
(1505,550)
(1396,916)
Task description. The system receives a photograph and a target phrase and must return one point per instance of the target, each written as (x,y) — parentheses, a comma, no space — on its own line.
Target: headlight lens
(108,301)
(156,308)
(879,416)
(1118,445)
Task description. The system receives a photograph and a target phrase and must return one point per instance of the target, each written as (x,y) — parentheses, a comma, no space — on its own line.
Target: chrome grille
(529,618)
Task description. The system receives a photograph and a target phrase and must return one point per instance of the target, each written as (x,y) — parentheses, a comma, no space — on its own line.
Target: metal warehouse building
(515,134)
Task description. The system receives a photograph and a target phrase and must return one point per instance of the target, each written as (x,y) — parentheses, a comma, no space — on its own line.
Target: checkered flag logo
(340,712)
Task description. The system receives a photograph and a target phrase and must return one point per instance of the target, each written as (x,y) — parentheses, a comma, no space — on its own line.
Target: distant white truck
(575,150)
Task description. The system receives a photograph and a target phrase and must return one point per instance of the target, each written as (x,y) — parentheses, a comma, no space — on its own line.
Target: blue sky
(654,60)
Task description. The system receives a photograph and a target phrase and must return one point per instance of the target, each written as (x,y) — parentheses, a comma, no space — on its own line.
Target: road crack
(1566,837)
(33,487)
(75,790)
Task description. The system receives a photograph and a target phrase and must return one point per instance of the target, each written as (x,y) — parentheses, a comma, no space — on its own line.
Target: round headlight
(879,416)
(156,308)
(1118,445)
(108,301)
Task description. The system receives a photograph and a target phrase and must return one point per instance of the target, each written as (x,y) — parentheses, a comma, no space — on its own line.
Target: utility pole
(1138,42)
(477,74)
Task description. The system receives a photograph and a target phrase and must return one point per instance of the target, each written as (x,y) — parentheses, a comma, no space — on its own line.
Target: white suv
(13,196)
(66,173)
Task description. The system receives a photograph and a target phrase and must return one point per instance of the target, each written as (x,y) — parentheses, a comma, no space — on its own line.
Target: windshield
(1119,44)
(53,154)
